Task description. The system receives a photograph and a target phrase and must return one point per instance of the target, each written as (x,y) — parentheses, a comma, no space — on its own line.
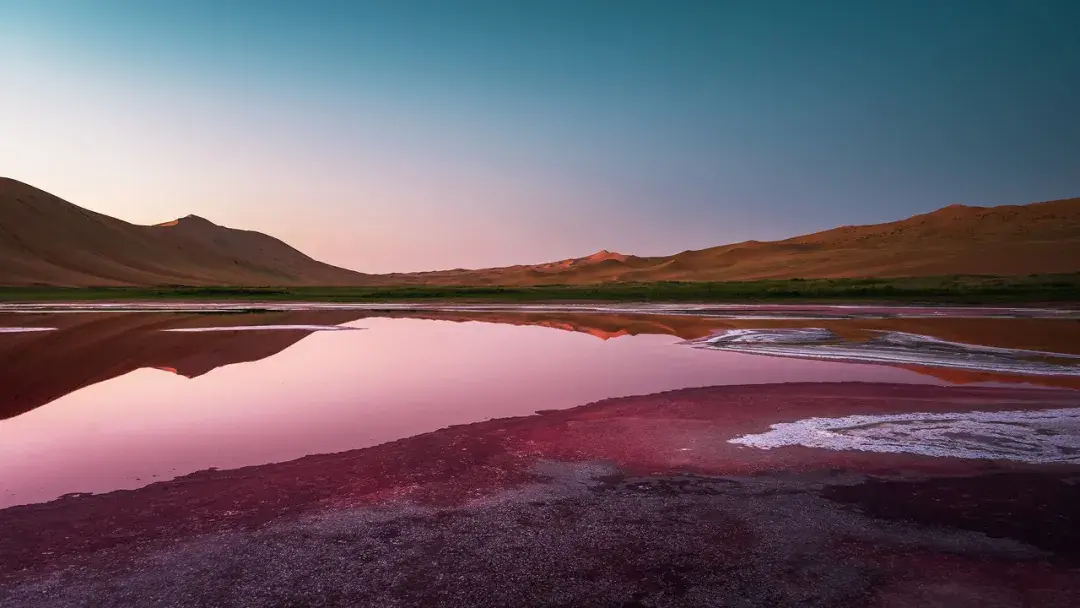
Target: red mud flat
(631,501)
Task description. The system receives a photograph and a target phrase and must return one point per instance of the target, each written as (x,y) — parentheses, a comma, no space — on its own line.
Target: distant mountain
(1007,240)
(45,240)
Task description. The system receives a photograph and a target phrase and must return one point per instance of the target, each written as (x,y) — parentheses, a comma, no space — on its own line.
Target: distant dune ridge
(1007,240)
(45,240)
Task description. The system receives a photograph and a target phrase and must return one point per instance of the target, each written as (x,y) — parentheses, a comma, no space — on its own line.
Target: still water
(106,400)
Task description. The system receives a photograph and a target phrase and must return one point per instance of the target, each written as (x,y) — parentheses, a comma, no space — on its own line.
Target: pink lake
(331,391)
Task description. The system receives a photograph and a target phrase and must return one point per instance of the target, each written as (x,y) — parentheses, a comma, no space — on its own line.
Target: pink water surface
(336,391)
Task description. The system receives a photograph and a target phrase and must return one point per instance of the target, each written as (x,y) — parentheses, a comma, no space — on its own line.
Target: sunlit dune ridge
(48,241)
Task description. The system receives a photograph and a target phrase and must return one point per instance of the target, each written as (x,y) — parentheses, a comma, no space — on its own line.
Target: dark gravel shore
(592,506)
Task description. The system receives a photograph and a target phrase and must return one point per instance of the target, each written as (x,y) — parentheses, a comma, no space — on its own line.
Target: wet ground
(659,470)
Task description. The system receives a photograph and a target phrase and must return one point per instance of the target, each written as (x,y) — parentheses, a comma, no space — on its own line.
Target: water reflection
(88,348)
(129,402)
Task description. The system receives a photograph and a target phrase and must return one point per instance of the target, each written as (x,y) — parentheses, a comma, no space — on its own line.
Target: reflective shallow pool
(109,400)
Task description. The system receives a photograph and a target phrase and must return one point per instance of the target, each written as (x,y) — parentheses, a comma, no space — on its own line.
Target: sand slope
(46,240)
(1007,240)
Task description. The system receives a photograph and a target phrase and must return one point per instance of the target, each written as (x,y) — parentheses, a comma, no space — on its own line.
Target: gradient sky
(410,135)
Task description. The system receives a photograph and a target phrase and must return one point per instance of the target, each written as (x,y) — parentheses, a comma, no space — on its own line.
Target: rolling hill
(1006,240)
(47,241)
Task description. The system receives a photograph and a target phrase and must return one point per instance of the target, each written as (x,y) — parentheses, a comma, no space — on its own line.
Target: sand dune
(1007,240)
(47,241)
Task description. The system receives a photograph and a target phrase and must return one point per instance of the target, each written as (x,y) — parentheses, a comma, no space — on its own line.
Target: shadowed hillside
(45,240)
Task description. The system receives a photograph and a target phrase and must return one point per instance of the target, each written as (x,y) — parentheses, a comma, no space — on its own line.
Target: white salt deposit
(1037,437)
(896,348)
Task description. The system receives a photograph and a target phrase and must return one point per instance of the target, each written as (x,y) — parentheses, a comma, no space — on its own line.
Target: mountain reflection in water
(127,402)
(39,367)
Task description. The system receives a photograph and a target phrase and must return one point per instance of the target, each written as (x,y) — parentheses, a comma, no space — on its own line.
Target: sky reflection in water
(336,391)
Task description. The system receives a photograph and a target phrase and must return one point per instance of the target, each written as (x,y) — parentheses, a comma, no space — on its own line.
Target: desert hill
(48,241)
(1006,240)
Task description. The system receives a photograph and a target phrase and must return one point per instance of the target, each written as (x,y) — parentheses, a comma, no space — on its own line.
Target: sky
(416,135)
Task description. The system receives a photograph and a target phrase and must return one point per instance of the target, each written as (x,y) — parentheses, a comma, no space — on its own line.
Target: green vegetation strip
(950,289)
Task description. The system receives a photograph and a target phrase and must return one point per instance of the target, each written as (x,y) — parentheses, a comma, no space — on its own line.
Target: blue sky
(413,135)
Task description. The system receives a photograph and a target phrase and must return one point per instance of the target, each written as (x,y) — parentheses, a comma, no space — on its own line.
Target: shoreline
(702,309)
(608,476)
(953,289)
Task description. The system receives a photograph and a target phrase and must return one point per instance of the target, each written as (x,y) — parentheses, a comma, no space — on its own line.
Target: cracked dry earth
(585,534)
